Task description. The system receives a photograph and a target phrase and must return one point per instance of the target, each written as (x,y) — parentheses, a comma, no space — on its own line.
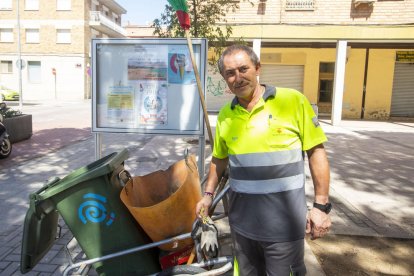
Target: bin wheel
(181,270)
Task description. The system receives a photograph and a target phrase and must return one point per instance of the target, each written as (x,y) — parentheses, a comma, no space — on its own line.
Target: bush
(7,112)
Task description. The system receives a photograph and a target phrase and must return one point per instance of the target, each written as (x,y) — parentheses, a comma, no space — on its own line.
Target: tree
(204,14)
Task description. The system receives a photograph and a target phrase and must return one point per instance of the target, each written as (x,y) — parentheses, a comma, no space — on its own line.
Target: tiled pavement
(372,188)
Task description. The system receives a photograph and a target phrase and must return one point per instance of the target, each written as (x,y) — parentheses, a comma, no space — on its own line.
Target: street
(372,190)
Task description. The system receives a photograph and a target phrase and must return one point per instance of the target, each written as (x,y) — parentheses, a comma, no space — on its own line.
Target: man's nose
(238,76)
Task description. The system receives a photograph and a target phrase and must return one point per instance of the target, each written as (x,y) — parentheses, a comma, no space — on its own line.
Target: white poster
(153,109)
(147,86)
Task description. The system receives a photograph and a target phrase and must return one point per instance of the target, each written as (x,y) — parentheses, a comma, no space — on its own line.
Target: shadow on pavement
(373,177)
(43,142)
(361,255)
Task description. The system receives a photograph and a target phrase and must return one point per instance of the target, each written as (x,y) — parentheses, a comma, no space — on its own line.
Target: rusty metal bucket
(163,202)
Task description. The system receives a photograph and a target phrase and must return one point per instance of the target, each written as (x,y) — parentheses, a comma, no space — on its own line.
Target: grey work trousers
(269,258)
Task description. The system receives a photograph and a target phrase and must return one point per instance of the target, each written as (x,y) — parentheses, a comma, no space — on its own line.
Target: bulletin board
(147,86)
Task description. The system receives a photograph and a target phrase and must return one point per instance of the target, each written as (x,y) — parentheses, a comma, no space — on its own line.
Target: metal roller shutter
(217,92)
(290,76)
(402,101)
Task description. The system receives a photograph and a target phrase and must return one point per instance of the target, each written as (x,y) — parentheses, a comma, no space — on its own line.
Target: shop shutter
(402,101)
(217,92)
(290,76)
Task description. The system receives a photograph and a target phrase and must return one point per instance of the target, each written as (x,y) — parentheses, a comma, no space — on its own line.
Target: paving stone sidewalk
(372,188)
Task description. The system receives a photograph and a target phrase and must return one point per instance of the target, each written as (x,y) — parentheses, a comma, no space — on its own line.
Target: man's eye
(243,69)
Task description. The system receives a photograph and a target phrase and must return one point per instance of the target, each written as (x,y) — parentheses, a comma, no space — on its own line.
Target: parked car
(7,94)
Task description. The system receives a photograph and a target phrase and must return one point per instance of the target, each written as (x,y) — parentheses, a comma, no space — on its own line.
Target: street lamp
(19,60)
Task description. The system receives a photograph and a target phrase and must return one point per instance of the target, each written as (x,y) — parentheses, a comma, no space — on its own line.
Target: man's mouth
(240,85)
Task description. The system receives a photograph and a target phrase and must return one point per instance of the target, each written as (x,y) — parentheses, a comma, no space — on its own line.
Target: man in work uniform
(262,135)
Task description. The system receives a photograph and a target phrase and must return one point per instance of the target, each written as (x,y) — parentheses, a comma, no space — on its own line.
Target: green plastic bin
(88,201)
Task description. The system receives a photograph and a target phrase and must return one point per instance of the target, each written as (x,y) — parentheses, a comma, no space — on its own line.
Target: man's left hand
(318,223)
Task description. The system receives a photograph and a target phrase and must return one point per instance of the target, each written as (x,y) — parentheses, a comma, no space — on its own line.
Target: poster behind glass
(147,86)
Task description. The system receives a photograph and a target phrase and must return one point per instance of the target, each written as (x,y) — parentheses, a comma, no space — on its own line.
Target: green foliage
(205,16)
(9,113)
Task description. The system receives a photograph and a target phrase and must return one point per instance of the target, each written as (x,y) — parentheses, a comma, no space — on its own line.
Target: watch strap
(323,207)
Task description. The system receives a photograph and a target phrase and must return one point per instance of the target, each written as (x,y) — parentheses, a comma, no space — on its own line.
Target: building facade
(52,40)
(297,43)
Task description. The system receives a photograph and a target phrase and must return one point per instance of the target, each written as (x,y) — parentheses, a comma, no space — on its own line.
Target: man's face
(240,74)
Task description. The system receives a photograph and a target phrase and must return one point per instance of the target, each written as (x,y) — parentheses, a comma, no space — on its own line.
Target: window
(34,71)
(32,36)
(5,4)
(31,5)
(261,7)
(300,5)
(6,67)
(63,36)
(63,5)
(6,35)
(326,78)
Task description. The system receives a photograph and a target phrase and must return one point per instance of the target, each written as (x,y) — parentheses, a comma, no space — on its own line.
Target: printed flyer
(180,68)
(153,109)
(147,64)
(121,105)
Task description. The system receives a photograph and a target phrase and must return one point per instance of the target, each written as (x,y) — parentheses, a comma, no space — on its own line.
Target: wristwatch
(324,208)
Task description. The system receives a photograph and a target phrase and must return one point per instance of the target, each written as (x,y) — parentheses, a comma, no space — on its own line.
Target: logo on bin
(94,210)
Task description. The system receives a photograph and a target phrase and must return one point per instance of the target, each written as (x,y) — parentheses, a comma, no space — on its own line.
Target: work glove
(209,238)
(206,233)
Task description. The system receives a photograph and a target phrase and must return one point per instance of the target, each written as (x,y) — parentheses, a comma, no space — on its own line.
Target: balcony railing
(300,5)
(97,16)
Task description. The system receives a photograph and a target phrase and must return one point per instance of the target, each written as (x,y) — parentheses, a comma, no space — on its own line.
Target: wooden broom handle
(200,90)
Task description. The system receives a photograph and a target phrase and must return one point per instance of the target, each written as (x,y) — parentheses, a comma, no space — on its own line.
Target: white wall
(70,78)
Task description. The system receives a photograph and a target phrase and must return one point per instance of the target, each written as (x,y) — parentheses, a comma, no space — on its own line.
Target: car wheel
(5,148)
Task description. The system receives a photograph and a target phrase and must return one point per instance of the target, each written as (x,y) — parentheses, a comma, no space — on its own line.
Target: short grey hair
(236,48)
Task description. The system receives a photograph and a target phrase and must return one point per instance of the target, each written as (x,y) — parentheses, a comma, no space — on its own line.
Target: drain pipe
(364,90)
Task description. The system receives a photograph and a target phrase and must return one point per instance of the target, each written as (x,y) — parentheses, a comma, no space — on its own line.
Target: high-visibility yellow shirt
(283,119)
(266,148)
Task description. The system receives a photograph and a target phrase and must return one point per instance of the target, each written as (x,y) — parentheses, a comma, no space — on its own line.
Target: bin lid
(41,221)
(39,233)
(96,169)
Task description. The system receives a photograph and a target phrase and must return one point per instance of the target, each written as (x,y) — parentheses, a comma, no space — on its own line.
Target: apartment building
(297,41)
(52,40)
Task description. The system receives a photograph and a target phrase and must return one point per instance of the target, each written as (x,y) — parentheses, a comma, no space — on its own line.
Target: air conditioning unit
(363,2)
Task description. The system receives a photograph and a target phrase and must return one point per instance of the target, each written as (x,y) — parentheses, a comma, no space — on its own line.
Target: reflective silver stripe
(266,158)
(267,186)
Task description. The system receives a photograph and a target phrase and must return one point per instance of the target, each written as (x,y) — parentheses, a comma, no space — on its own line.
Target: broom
(181,9)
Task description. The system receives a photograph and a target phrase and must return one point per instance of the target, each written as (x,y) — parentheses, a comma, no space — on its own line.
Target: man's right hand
(203,205)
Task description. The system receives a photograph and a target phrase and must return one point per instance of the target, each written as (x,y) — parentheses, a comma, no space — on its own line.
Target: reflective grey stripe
(267,186)
(266,158)
(267,172)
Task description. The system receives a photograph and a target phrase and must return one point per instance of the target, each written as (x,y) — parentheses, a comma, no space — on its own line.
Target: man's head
(235,48)
(240,66)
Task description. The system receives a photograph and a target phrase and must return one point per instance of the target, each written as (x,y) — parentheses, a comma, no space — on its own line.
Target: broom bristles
(179,5)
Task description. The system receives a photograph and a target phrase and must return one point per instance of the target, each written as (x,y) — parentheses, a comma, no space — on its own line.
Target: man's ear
(258,68)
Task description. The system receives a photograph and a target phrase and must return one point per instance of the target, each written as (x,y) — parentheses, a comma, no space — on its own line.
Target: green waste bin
(88,201)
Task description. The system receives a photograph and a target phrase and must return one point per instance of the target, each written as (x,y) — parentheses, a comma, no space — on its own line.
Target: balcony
(300,5)
(105,25)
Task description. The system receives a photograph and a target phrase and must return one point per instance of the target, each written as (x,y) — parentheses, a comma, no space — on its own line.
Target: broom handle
(200,90)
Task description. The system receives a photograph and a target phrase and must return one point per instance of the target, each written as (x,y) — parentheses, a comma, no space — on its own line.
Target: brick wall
(337,12)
